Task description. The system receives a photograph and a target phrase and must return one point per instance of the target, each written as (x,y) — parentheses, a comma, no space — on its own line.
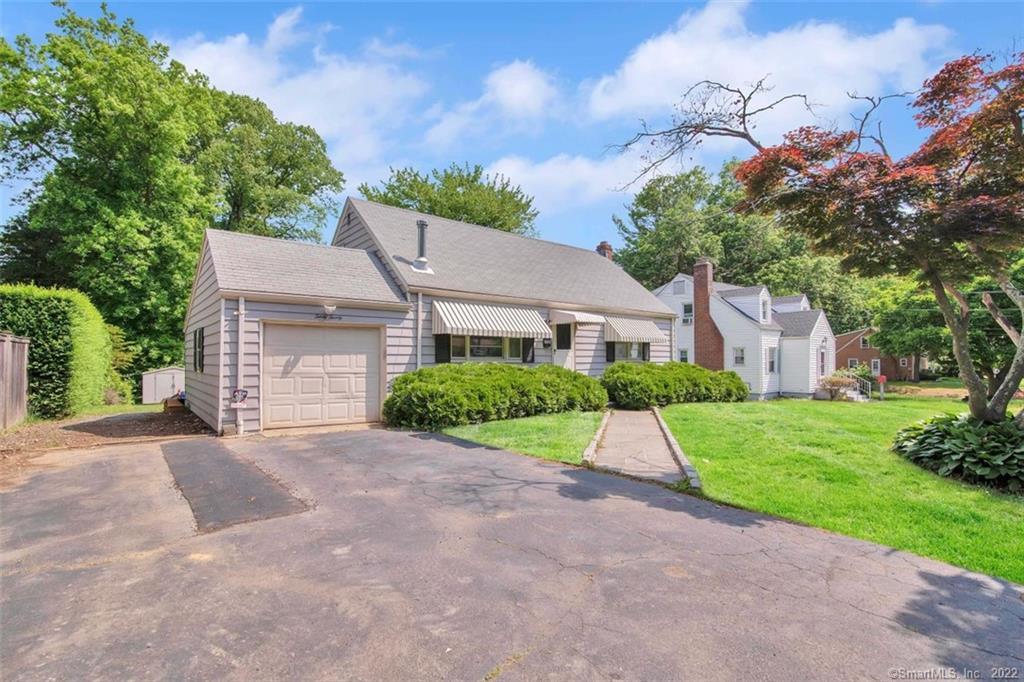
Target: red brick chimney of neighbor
(605,249)
(708,346)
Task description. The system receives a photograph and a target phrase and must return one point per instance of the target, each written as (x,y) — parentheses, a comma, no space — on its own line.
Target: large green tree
(127,157)
(675,219)
(463,193)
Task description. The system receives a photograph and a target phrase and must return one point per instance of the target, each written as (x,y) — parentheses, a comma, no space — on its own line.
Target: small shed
(165,382)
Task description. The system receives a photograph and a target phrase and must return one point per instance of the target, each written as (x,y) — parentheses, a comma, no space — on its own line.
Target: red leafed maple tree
(951,210)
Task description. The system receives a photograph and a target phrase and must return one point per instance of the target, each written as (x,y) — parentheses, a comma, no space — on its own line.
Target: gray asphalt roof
(245,262)
(788,299)
(481,260)
(799,323)
(730,291)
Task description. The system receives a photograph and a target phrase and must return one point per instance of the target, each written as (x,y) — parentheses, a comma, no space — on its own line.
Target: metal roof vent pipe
(420,264)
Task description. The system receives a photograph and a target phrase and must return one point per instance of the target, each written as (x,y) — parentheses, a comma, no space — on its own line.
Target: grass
(558,437)
(829,465)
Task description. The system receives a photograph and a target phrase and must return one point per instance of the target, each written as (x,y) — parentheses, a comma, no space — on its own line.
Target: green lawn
(559,437)
(829,465)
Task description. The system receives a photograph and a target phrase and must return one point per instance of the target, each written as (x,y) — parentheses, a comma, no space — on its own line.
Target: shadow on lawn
(585,485)
(974,624)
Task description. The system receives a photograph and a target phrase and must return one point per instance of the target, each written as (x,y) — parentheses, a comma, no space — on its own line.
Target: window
(876,367)
(764,309)
(563,336)
(684,355)
(852,363)
(528,350)
(679,287)
(865,342)
(769,360)
(822,358)
(458,346)
(485,347)
(903,362)
(627,351)
(739,357)
(514,348)
(687,313)
(198,349)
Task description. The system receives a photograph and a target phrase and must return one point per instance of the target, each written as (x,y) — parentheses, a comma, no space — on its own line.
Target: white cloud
(356,102)
(821,59)
(515,96)
(564,182)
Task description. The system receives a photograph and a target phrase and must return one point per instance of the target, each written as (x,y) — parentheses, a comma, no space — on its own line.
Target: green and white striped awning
(632,330)
(481,319)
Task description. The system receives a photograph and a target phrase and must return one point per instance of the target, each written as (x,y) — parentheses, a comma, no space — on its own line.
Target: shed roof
(466,258)
(251,263)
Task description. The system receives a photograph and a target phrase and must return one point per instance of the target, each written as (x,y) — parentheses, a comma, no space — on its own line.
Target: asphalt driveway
(413,556)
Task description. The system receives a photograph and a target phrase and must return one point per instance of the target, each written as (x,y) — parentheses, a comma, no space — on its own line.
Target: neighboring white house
(281,333)
(778,345)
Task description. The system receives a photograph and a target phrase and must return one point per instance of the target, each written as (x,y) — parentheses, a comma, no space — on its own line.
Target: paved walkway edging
(590,452)
(689,472)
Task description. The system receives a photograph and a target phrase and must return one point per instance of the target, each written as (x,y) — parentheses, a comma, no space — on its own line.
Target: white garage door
(320,375)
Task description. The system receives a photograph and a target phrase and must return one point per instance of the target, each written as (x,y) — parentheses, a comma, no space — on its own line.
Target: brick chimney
(605,249)
(708,346)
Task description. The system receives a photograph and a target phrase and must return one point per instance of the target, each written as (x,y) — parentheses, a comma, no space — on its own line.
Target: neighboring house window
(876,366)
(458,347)
(764,309)
(687,313)
(563,336)
(739,356)
(198,349)
(486,347)
(679,286)
(684,355)
(865,342)
(852,363)
(770,359)
(903,362)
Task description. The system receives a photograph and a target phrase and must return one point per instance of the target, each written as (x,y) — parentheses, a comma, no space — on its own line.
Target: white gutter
(240,363)
(419,329)
(222,324)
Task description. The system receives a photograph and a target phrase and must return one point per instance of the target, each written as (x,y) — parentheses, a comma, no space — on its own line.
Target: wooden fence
(13,379)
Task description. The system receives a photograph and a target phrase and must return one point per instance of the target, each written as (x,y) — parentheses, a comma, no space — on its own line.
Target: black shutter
(563,336)
(645,352)
(609,351)
(202,349)
(442,348)
(527,349)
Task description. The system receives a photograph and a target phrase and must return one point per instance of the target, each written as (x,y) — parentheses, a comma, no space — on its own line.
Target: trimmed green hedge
(635,386)
(70,351)
(958,446)
(435,398)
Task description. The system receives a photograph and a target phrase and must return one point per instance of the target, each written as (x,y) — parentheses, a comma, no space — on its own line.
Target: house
(778,345)
(280,333)
(854,349)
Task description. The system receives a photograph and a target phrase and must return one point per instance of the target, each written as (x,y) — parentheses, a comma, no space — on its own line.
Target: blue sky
(538,91)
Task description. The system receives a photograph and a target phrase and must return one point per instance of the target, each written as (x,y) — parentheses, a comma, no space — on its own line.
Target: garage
(314,375)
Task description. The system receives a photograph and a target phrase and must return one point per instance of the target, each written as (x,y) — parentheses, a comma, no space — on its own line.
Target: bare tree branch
(874,103)
(1001,319)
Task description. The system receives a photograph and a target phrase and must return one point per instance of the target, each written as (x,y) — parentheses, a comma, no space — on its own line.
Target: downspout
(419,329)
(240,362)
(222,324)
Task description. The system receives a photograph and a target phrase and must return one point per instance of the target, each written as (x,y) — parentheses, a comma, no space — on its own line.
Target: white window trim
(852,363)
(904,362)
(504,349)
(865,342)
(687,318)
(743,356)
(771,360)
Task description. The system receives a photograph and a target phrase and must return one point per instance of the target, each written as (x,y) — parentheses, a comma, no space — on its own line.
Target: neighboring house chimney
(421,247)
(708,346)
(605,249)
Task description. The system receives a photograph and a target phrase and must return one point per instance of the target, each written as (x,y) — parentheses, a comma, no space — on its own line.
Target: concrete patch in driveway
(223,489)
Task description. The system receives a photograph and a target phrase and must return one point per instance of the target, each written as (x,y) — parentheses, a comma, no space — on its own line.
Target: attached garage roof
(636,331)
(473,259)
(479,319)
(253,264)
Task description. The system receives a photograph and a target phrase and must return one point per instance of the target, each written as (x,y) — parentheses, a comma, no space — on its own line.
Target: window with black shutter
(563,336)
(609,351)
(527,349)
(198,350)
(645,352)
(442,348)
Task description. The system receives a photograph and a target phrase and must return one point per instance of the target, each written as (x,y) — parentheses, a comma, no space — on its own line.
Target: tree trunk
(916,377)
(977,391)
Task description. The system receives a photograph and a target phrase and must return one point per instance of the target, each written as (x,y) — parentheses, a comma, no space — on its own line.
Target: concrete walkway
(634,444)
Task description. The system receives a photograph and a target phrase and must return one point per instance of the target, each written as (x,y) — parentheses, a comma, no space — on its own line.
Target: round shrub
(435,398)
(962,447)
(640,385)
